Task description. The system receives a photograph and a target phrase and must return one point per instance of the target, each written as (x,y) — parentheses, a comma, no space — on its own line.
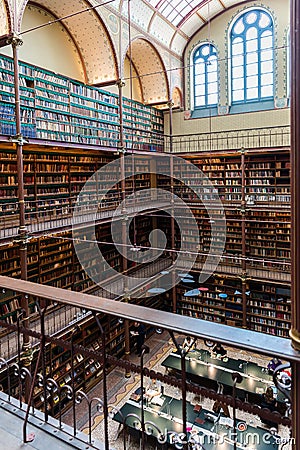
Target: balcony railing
(251,138)
(23,380)
(61,215)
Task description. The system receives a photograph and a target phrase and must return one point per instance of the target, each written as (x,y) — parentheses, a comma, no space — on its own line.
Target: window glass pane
(212,99)
(264,20)
(238,84)
(205,50)
(212,77)
(199,67)
(238,72)
(212,88)
(211,67)
(252,82)
(200,101)
(266,42)
(266,67)
(251,58)
(237,48)
(251,17)
(266,55)
(251,46)
(237,61)
(167,9)
(239,27)
(267,79)
(252,69)
(200,90)
(184,11)
(251,34)
(238,96)
(200,79)
(267,91)
(252,93)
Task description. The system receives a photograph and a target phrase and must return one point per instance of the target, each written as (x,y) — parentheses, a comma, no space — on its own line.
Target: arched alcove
(89,43)
(177,97)
(148,65)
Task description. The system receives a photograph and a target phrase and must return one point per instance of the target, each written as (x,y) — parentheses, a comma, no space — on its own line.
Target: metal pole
(183,379)
(15,42)
(104,363)
(73,381)
(295,210)
(243,214)
(145,349)
(237,378)
(182,352)
(173,255)
(124,263)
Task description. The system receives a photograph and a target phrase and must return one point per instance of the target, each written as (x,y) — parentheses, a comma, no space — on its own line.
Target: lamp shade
(156,290)
(192,293)
(187,280)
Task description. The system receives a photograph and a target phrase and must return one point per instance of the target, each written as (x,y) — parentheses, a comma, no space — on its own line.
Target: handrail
(240,338)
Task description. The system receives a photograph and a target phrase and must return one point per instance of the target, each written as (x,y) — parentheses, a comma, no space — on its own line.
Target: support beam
(295,196)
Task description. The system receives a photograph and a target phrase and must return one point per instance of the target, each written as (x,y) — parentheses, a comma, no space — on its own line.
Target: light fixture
(158,330)
(192,293)
(187,280)
(156,290)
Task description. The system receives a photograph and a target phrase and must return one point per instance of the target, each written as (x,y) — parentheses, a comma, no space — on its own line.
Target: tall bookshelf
(265,188)
(267,205)
(57,108)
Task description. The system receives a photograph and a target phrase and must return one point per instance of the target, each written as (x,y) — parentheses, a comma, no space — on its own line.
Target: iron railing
(248,138)
(175,327)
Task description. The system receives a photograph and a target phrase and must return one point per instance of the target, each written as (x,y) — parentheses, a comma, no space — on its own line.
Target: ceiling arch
(150,70)
(99,57)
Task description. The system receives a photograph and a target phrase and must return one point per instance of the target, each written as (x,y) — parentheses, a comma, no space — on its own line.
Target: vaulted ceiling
(173,22)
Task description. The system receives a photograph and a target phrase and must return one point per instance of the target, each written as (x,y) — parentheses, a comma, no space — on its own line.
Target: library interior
(149,208)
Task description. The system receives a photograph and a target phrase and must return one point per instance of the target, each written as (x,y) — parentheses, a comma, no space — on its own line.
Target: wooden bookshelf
(57,108)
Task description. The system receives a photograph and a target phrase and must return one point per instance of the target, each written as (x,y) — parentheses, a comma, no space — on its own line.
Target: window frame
(259,98)
(193,75)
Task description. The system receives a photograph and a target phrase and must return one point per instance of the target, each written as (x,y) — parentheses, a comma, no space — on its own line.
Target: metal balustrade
(62,216)
(248,138)
(175,326)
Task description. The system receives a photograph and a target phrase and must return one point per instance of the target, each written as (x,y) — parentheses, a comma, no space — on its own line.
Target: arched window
(205,76)
(252,57)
